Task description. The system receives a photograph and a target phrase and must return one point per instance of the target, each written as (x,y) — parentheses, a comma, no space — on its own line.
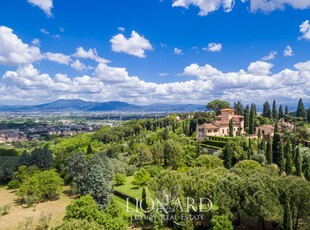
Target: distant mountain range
(111,106)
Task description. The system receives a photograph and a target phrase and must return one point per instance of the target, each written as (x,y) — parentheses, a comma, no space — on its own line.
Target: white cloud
(272,55)
(136,45)
(305,30)
(200,71)
(206,6)
(213,47)
(178,51)
(288,52)
(45,5)
(44,31)
(13,51)
(260,68)
(113,83)
(90,54)
(77,65)
(122,29)
(209,6)
(58,57)
(36,42)
(163,74)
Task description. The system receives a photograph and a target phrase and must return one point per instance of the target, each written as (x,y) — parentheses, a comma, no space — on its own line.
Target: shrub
(141,177)
(119,179)
(80,224)
(42,186)
(221,222)
(13,184)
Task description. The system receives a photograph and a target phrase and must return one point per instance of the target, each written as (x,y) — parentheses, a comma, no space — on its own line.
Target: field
(18,214)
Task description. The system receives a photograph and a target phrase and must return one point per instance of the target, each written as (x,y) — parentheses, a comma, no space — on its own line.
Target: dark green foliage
(8,152)
(259,133)
(301,112)
(288,158)
(227,155)
(287,217)
(275,149)
(80,225)
(143,199)
(266,110)
(281,113)
(89,149)
(238,108)
(217,105)
(281,158)
(173,154)
(247,118)
(141,177)
(231,128)
(8,164)
(298,162)
(308,115)
(42,157)
(269,153)
(251,120)
(208,161)
(275,114)
(25,159)
(97,179)
(276,127)
(75,167)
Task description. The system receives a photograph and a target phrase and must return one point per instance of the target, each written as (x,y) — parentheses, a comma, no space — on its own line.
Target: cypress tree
(267,110)
(238,108)
(269,150)
(251,120)
(281,113)
(255,110)
(298,162)
(275,114)
(275,149)
(308,115)
(144,204)
(307,170)
(288,158)
(227,154)
(281,158)
(276,127)
(259,133)
(301,112)
(250,149)
(89,149)
(287,217)
(286,113)
(246,118)
(231,128)
(262,145)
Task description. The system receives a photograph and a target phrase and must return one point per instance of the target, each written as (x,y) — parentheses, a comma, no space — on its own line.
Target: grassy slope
(18,213)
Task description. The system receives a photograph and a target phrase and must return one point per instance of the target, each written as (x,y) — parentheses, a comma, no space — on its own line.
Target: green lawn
(131,190)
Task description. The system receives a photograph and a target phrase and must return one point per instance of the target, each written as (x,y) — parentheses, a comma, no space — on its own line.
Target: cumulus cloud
(206,6)
(177,51)
(45,5)
(272,55)
(114,83)
(89,54)
(209,6)
(77,65)
(305,30)
(13,51)
(44,31)
(260,68)
(213,47)
(58,57)
(136,45)
(288,52)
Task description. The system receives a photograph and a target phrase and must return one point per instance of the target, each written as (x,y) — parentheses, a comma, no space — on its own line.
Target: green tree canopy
(217,105)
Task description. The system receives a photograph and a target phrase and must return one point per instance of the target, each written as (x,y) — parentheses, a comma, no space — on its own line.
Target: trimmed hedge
(215,138)
(219,144)
(210,147)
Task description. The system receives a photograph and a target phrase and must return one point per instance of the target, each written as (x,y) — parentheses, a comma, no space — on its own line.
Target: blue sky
(173,51)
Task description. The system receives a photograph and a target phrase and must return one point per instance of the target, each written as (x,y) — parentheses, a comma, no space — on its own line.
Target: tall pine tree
(267,110)
(246,118)
(269,156)
(301,112)
(288,158)
(298,162)
(281,113)
(287,217)
(238,108)
(275,114)
(251,120)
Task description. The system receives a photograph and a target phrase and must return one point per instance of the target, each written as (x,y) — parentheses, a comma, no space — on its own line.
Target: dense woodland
(253,183)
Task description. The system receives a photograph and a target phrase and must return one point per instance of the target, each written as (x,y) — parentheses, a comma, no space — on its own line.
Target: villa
(220,127)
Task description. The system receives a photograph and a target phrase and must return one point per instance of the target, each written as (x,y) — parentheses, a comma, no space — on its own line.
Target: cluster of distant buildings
(41,131)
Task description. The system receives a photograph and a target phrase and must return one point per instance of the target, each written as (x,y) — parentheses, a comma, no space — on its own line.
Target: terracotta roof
(227,109)
(210,126)
(266,126)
